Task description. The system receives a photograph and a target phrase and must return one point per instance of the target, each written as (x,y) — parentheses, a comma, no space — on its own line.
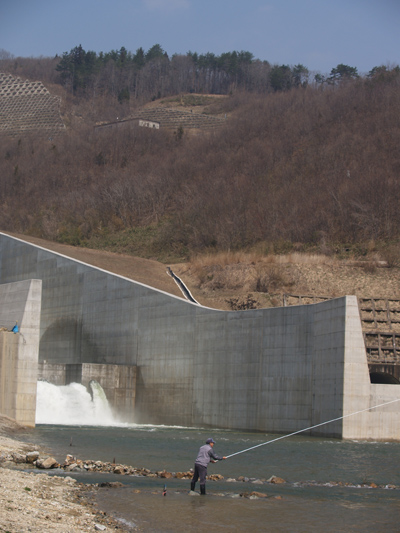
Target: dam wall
(19,302)
(271,370)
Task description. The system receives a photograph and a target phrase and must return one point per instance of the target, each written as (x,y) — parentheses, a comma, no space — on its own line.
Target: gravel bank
(38,502)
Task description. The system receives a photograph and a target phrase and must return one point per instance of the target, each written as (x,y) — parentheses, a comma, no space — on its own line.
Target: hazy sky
(320,34)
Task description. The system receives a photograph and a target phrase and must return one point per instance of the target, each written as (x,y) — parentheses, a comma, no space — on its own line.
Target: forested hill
(310,166)
(143,76)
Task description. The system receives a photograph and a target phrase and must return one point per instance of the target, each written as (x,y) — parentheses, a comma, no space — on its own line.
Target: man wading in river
(204,456)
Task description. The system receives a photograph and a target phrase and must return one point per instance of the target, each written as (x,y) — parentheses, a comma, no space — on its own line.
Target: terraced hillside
(175,118)
(28,107)
(172,114)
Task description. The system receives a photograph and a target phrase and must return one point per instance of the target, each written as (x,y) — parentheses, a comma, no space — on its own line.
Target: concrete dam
(164,360)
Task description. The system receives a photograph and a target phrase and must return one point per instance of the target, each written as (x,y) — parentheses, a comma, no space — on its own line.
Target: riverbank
(37,502)
(342,485)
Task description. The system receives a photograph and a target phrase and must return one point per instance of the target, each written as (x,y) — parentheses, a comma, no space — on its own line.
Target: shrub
(391,254)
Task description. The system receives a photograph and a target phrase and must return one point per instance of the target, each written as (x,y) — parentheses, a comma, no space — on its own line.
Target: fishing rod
(312,427)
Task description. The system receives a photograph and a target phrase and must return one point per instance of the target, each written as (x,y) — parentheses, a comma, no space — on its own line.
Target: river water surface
(326,479)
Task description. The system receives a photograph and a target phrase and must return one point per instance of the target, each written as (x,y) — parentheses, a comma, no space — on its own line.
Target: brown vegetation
(250,281)
(307,169)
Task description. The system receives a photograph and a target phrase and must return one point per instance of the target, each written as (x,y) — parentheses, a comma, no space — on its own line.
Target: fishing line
(312,427)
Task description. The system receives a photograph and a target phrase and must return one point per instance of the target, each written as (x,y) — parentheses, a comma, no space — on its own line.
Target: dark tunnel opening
(383,378)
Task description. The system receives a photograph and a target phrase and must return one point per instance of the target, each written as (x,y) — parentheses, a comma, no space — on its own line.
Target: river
(314,497)
(330,485)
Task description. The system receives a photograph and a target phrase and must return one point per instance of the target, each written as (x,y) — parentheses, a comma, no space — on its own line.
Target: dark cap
(210,441)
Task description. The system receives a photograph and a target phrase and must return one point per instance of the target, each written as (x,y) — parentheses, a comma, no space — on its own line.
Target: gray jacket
(205,455)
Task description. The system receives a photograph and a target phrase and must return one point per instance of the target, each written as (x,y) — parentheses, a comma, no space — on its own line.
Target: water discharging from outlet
(73,405)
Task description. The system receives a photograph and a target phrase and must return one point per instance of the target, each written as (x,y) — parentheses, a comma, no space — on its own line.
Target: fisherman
(204,456)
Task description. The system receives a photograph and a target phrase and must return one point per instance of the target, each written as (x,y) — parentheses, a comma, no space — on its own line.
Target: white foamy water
(73,405)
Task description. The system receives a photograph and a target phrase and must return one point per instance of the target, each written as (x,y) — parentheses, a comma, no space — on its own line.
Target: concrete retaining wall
(359,393)
(19,302)
(277,370)
(9,344)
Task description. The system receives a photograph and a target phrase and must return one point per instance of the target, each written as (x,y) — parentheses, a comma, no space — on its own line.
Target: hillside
(312,169)
(226,281)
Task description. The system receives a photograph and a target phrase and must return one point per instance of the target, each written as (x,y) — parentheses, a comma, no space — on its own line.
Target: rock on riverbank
(37,502)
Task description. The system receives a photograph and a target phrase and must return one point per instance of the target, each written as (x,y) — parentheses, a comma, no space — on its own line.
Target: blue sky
(320,34)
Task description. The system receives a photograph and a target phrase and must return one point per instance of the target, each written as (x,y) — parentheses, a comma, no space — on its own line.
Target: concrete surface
(270,370)
(19,302)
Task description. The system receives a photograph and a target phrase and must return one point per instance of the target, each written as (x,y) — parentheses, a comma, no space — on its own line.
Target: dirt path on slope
(144,271)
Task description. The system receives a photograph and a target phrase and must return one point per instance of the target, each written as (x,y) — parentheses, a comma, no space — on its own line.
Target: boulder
(111,484)
(73,467)
(18,457)
(182,475)
(164,474)
(46,464)
(31,457)
(215,477)
(69,459)
(253,495)
(276,480)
